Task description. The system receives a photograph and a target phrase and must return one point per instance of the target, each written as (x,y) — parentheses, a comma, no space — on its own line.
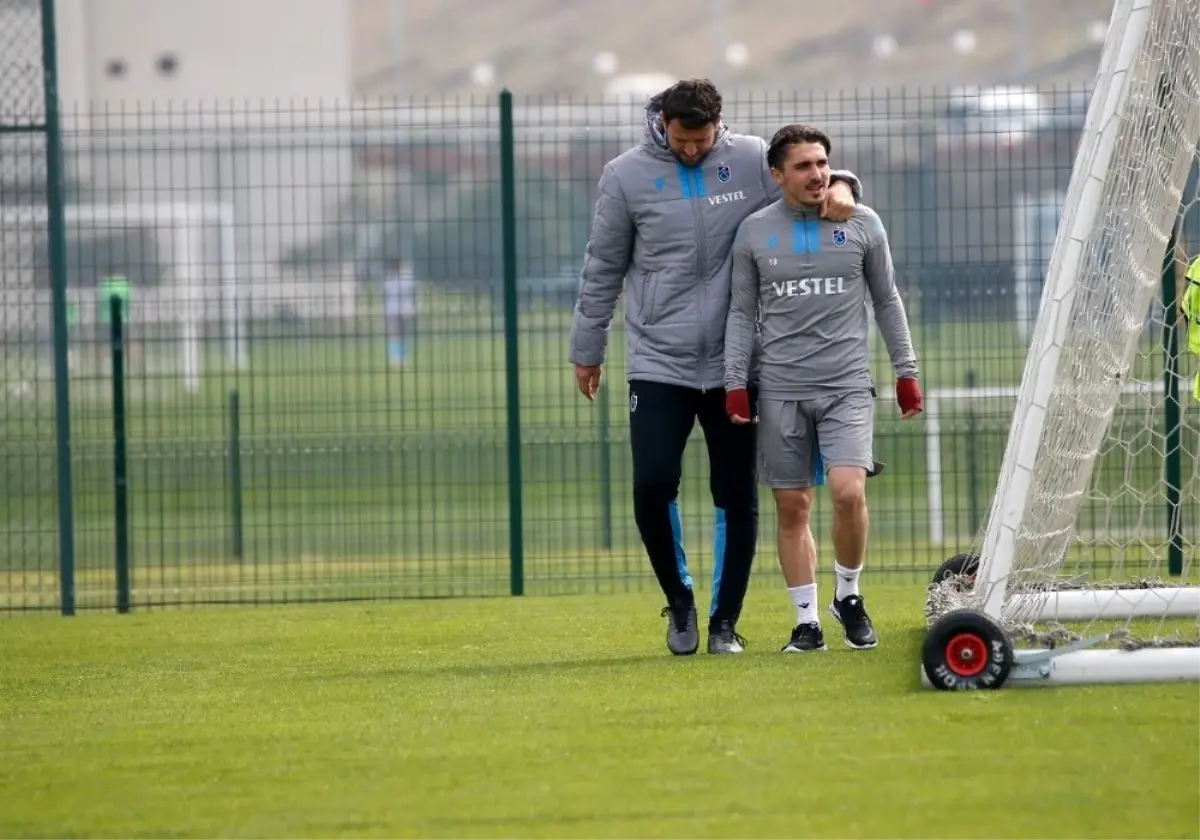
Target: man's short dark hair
(694,102)
(794,135)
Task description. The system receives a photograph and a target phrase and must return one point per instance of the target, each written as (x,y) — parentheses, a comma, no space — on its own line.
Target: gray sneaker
(725,639)
(683,639)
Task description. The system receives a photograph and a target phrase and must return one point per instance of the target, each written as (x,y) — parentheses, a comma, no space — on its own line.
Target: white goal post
(185,223)
(1140,141)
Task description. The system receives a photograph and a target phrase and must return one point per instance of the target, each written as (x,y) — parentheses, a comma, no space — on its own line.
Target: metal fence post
(120,451)
(512,373)
(234,445)
(973,444)
(1172,422)
(56,230)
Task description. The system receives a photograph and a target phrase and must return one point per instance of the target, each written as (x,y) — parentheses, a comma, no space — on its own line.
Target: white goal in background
(1141,405)
(195,250)
(1024,607)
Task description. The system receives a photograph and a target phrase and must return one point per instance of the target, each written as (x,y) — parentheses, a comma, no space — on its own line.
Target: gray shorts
(798,440)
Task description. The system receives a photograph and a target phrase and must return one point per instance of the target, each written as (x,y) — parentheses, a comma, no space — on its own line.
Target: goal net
(1084,570)
(178,259)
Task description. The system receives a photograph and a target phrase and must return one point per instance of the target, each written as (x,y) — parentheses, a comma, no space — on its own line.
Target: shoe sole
(833,612)
(853,646)
(790,649)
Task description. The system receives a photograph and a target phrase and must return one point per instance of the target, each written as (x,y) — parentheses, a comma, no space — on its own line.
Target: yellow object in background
(1191,311)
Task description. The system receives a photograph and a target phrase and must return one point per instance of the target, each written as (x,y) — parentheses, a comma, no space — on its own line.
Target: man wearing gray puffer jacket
(665,220)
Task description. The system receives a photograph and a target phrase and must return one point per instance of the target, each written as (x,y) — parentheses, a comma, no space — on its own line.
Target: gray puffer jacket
(669,229)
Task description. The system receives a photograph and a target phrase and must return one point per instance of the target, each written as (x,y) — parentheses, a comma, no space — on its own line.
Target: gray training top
(663,232)
(808,279)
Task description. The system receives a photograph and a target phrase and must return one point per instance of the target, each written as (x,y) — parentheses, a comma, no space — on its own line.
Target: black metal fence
(280,441)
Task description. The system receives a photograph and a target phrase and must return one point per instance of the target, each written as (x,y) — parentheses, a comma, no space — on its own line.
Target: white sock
(847,581)
(805,600)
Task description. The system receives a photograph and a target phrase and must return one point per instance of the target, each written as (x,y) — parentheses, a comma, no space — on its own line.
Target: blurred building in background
(132,51)
(196,134)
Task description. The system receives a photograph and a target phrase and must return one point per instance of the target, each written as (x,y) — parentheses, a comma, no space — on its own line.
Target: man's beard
(803,199)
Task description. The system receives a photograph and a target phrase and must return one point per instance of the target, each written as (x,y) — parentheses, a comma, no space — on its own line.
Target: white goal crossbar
(1100,604)
(186,222)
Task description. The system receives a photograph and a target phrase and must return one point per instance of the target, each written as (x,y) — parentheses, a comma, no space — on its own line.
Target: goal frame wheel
(965,650)
(960,565)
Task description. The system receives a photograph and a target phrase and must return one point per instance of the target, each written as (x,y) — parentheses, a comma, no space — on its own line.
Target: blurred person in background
(399,309)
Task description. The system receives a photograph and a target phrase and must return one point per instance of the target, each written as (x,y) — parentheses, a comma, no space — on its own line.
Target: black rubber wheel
(965,650)
(965,565)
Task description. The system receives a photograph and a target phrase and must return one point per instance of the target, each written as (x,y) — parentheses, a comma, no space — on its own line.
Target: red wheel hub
(966,654)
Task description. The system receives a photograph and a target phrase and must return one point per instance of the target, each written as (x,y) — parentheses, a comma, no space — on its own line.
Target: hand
(839,203)
(587,378)
(908,395)
(737,406)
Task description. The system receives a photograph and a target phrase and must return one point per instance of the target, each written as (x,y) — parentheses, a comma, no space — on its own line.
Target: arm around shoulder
(605,262)
(849,179)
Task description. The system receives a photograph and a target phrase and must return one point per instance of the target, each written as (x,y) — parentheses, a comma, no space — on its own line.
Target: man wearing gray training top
(663,231)
(808,280)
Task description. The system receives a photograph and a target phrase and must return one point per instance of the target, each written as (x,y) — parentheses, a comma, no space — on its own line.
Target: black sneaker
(725,639)
(683,639)
(805,637)
(851,612)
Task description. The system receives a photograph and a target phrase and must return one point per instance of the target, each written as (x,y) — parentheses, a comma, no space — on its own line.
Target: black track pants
(660,420)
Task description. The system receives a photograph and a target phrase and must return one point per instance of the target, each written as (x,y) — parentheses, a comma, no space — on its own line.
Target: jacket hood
(656,132)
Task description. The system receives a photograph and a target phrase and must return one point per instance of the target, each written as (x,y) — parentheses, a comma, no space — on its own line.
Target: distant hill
(428,47)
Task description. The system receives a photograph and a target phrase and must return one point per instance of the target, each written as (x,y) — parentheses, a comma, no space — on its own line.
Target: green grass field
(346,464)
(496,716)
(557,717)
